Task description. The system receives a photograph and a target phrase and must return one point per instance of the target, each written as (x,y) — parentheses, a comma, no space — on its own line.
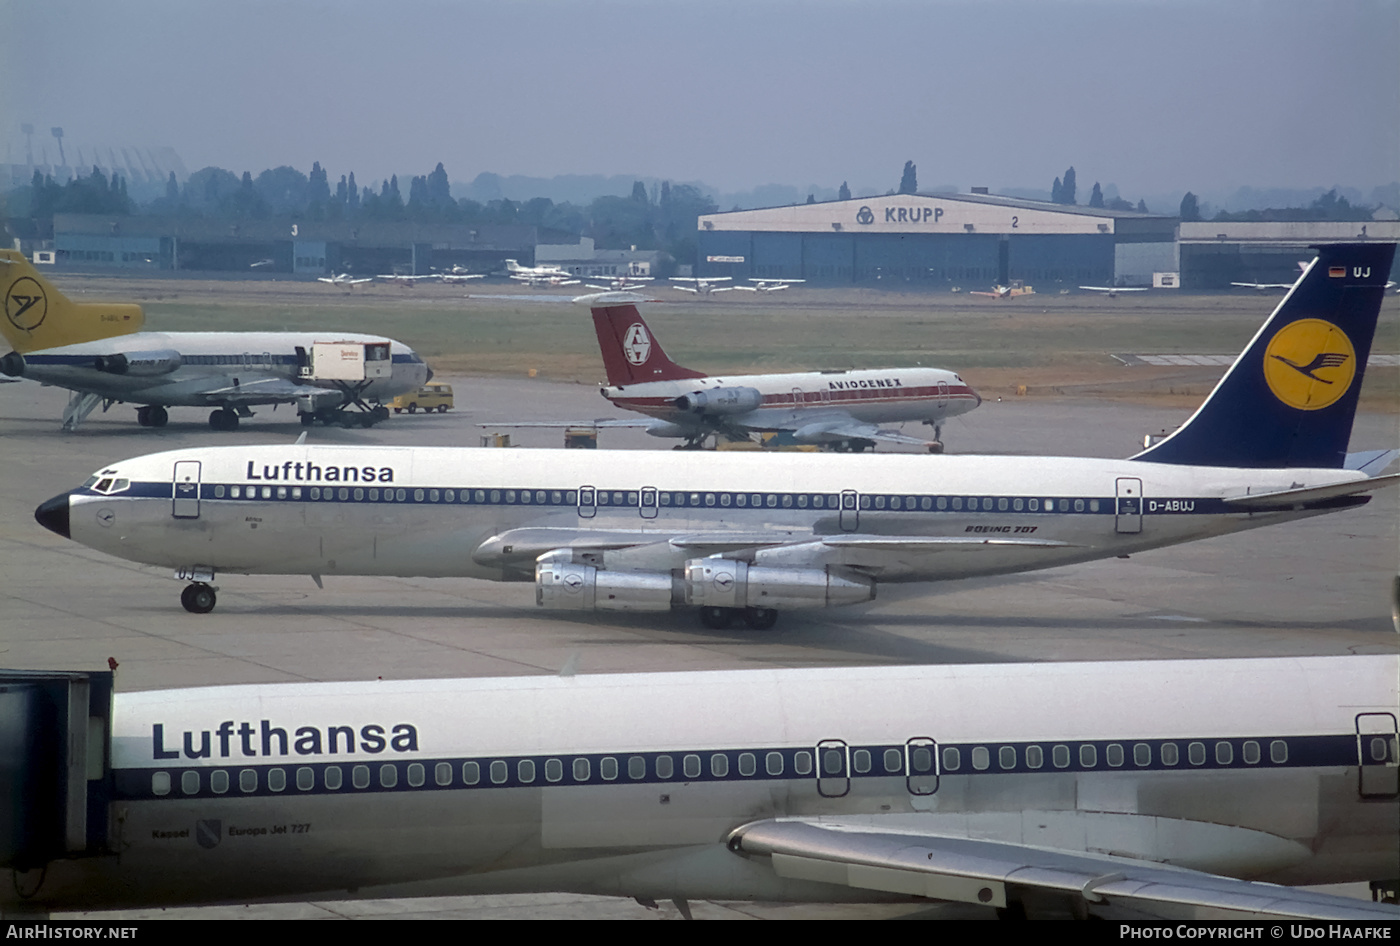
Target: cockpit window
(91,481)
(108,485)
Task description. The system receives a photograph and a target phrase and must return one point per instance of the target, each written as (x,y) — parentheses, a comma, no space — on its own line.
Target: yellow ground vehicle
(433,396)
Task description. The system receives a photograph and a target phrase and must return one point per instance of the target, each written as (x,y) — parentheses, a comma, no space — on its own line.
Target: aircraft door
(1376,749)
(1129,511)
(850,510)
(587,502)
(833,768)
(184,490)
(921,765)
(647,504)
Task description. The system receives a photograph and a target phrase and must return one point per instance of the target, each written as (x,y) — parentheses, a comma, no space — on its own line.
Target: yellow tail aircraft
(38,316)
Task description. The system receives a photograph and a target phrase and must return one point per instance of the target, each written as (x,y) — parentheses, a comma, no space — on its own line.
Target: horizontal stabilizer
(1370,462)
(1295,498)
(560,424)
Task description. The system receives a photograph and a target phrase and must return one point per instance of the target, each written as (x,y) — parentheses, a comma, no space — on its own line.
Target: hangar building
(938,241)
(1216,253)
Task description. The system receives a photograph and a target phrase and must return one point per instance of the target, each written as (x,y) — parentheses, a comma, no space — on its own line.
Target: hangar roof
(931,213)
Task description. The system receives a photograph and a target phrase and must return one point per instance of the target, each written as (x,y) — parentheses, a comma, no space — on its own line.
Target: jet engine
(139,363)
(725,583)
(720,401)
(12,364)
(565,585)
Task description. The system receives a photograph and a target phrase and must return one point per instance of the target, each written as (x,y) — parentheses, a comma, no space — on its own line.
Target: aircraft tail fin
(38,316)
(631,354)
(1290,398)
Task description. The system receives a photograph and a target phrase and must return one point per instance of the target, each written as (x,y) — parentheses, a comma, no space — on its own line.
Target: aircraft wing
(848,427)
(869,856)
(551,424)
(267,391)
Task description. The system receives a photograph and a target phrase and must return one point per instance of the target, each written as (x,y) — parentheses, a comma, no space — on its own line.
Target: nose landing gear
(199,598)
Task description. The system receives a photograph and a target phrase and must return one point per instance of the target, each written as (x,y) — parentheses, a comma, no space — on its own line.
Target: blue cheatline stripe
(727,501)
(785,763)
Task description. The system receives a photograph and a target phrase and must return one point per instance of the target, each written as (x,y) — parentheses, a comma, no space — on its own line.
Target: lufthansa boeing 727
(96,351)
(1165,789)
(740,536)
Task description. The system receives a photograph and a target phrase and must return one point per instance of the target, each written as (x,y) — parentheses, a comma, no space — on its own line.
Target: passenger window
(248,780)
(332,778)
(1002,504)
(359,776)
(1060,756)
(719,765)
(636,767)
(1088,756)
(582,770)
(942,503)
(957,502)
(525,771)
(160,783)
(925,504)
(1034,505)
(802,762)
(417,495)
(709,499)
(1035,757)
(343,494)
(189,782)
(1142,754)
(471,773)
(879,502)
(1079,505)
(725,499)
(690,765)
(1006,757)
(306,778)
(218,782)
(608,769)
(772,500)
(787,500)
(359,494)
(388,775)
(860,760)
(553,770)
(1251,752)
(1114,755)
(981,758)
(277,779)
(499,772)
(442,773)
(665,766)
(1278,752)
(1017,504)
(1196,753)
(748,764)
(1093,505)
(952,758)
(1170,755)
(1380,749)
(416,774)
(432,495)
(1224,753)
(451,496)
(267,492)
(773,763)
(894,760)
(218,492)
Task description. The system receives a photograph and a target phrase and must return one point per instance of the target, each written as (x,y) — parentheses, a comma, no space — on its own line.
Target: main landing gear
(199,598)
(758,619)
(152,416)
(223,419)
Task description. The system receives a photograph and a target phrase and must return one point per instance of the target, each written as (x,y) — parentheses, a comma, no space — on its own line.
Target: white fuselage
(628,785)
(797,400)
(211,367)
(437,512)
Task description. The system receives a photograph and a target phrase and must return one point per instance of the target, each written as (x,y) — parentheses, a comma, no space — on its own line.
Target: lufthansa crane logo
(1309,364)
(26,305)
(636,344)
(865,216)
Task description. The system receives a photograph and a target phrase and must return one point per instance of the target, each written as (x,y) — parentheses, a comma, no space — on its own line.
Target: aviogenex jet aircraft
(1162,789)
(89,349)
(743,535)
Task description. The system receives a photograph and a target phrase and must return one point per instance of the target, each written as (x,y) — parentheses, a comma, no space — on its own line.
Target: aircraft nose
(429,377)
(53,515)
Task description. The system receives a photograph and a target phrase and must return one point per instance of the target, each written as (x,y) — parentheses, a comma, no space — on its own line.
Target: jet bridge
(55,768)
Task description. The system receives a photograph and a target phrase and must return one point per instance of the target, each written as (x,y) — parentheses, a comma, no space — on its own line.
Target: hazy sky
(1154,95)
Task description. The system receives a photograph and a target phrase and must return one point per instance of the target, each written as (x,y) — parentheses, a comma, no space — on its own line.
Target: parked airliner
(96,351)
(743,535)
(841,409)
(1164,789)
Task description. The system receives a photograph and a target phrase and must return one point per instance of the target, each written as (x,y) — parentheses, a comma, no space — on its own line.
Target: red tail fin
(631,354)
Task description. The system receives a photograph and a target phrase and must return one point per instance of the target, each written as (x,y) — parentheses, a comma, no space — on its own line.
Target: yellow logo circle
(1309,364)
